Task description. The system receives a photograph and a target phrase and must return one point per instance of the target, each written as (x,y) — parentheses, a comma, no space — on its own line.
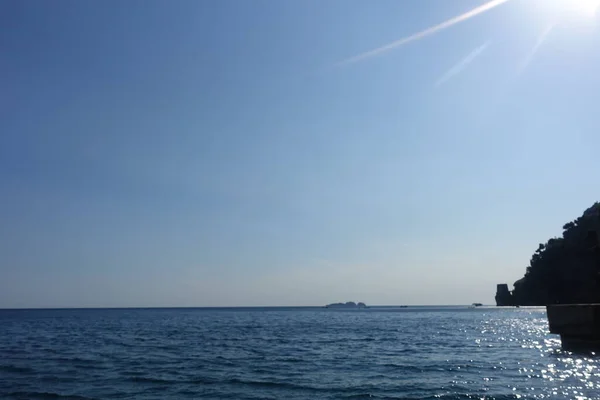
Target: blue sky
(216,153)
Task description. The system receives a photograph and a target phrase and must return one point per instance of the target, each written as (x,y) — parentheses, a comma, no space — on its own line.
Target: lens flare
(587,8)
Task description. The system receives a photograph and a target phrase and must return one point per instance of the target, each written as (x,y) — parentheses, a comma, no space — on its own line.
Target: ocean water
(304,353)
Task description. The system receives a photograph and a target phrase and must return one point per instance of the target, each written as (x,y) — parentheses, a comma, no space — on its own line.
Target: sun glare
(587,8)
(554,12)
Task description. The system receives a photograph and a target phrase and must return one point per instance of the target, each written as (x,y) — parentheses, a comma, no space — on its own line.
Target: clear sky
(230,152)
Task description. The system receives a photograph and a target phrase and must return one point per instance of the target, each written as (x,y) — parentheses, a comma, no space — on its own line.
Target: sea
(289,353)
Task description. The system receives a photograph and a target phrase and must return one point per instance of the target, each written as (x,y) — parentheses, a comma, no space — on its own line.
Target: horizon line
(230,307)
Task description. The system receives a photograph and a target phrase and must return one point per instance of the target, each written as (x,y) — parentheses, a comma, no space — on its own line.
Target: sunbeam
(427,32)
(540,41)
(464,63)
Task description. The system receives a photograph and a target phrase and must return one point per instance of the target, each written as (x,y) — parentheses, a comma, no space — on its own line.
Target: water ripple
(294,354)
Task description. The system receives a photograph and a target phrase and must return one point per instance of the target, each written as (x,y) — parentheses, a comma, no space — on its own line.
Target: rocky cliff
(564,270)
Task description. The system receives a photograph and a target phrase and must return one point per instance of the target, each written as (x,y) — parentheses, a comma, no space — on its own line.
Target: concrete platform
(577,324)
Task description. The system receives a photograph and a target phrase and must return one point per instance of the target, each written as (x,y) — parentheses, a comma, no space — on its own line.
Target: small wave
(202,381)
(460,396)
(289,359)
(78,362)
(14,351)
(144,379)
(74,359)
(46,396)
(415,368)
(266,384)
(279,385)
(264,371)
(449,396)
(65,377)
(359,396)
(16,369)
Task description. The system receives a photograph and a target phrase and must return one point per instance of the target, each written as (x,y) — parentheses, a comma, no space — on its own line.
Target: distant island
(564,270)
(349,304)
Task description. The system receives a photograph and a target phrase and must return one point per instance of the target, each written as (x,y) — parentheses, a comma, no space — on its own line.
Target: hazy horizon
(369,306)
(283,153)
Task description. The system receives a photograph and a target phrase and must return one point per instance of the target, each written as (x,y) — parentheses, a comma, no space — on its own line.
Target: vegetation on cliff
(566,269)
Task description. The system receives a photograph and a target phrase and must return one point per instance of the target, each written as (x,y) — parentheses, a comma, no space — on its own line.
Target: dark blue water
(423,353)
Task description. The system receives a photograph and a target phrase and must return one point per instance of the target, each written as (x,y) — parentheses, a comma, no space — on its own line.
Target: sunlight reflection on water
(294,354)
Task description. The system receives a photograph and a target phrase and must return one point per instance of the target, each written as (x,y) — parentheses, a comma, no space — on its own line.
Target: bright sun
(587,8)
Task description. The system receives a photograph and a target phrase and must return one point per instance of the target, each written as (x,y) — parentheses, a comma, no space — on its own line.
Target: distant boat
(477,304)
